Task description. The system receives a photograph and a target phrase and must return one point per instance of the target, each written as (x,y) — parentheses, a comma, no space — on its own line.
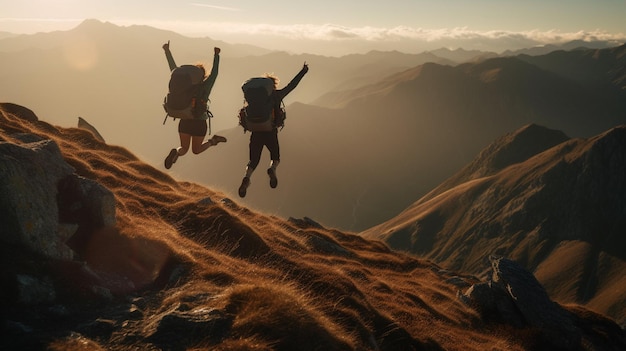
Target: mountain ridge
(563,197)
(512,148)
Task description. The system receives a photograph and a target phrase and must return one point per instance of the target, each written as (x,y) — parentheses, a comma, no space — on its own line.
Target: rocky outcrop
(82,123)
(18,110)
(41,196)
(513,296)
(43,205)
(29,175)
(182,326)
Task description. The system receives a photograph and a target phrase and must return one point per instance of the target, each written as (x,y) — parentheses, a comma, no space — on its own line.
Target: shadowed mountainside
(568,46)
(201,272)
(554,204)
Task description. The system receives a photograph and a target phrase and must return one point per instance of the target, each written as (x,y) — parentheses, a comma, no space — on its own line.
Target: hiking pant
(260,139)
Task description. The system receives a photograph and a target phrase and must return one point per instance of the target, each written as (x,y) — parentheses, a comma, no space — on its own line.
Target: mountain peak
(90,24)
(518,146)
(512,148)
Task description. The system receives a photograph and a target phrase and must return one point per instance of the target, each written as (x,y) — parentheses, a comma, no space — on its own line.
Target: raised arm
(207,85)
(168,56)
(294,82)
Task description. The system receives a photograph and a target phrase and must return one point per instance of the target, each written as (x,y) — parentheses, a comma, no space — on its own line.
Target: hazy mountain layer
(397,129)
(112,76)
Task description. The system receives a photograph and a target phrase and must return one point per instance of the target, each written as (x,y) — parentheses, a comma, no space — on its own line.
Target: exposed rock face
(85,200)
(82,123)
(513,296)
(18,110)
(32,290)
(42,200)
(183,326)
(43,204)
(529,296)
(29,175)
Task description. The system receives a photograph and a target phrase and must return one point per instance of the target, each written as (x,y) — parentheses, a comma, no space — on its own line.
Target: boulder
(33,290)
(29,174)
(19,111)
(83,124)
(178,329)
(515,297)
(86,202)
(43,203)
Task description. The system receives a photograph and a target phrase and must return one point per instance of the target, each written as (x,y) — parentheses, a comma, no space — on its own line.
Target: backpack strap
(210,114)
(166,114)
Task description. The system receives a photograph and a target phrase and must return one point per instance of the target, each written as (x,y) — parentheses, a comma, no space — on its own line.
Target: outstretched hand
(305,67)
(166,46)
(217,50)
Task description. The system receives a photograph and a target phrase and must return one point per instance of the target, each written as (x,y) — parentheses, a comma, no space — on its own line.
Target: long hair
(274,78)
(201,66)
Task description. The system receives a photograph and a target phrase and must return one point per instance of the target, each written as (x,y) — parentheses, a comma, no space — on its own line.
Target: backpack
(262,112)
(183,98)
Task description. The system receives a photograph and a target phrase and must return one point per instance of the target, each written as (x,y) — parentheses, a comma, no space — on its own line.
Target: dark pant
(193,127)
(260,139)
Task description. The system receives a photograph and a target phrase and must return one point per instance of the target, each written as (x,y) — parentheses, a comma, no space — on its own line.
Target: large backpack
(262,112)
(183,99)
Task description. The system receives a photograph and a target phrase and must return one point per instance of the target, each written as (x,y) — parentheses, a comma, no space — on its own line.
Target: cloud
(331,32)
(332,39)
(336,39)
(225,8)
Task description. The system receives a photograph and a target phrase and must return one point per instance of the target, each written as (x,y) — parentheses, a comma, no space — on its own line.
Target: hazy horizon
(340,28)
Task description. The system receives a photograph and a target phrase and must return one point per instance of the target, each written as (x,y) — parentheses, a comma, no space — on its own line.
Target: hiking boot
(216,139)
(171,158)
(273,180)
(245,183)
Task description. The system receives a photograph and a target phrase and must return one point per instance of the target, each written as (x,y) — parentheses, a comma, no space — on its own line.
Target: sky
(332,27)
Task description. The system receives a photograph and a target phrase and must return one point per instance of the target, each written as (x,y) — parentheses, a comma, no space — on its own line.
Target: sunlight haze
(341,27)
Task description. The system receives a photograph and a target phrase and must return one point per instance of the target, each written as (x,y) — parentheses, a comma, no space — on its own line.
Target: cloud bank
(337,39)
(333,39)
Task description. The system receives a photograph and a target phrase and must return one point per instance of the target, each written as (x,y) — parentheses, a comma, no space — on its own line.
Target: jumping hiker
(192,127)
(267,137)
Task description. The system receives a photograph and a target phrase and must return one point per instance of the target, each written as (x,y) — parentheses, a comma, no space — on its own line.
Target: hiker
(193,130)
(268,138)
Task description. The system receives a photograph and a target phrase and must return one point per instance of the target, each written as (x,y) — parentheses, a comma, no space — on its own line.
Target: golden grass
(75,342)
(287,285)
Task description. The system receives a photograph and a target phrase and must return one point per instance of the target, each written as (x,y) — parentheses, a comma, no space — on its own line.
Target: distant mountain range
(553,203)
(382,146)
(366,135)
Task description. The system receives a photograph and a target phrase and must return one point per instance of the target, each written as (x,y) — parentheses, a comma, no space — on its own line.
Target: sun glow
(81,53)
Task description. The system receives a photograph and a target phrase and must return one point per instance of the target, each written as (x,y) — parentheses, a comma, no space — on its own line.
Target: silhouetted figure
(269,139)
(193,130)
